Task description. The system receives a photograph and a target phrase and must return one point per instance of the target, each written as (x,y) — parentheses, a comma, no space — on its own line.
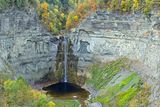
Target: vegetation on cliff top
(58,15)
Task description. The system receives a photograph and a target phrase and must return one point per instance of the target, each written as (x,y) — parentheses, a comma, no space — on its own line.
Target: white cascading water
(65,59)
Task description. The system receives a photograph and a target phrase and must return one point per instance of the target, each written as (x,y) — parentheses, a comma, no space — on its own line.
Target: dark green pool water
(69,91)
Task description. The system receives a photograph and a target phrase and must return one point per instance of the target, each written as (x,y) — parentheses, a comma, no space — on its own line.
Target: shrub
(114,5)
(123,6)
(51,104)
(69,21)
(44,6)
(135,5)
(142,97)
(148,6)
(75,18)
(129,5)
(4,4)
(17,93)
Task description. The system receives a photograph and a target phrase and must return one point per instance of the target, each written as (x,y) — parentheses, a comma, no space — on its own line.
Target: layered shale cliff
(25,44)
(106,36)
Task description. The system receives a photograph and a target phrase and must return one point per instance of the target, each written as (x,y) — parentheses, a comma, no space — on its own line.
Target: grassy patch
(67,103)
(101,75)
(123,92)
(109,93)
(124,97)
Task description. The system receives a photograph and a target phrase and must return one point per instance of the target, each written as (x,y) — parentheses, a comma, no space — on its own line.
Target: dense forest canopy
(58,15)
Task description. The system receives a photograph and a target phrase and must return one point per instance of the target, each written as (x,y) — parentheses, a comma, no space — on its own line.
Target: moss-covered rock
(101,75)
(117,85)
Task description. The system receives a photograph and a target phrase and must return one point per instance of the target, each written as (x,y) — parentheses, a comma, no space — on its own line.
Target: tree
(75,18)
(159,8)
(135,5)
(45,13)
(45,17)
(51,104)
(92,5)
(123,6)
(129,5)
(148,6)
(69,21)
(44,6)
(114,5)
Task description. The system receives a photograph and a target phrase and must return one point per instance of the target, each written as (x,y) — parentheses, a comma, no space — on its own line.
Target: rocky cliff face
(105,36)
(25,44)
(102,37)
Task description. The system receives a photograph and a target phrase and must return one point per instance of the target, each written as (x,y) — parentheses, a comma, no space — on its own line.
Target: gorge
(113,57)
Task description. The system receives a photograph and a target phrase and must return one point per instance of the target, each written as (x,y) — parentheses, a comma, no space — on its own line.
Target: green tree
(129,5)
(115,5)
(148,6)
(123,6)
(4,4)
(135,5)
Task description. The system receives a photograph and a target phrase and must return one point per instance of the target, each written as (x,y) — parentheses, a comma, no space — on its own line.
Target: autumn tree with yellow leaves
(69,21)
(92,4)
(83,9)
(52,16)
(75,18)
(123,6)
(45,12)
(135,5)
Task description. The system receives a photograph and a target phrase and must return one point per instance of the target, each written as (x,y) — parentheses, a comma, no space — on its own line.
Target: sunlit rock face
(105,36)
(26,45)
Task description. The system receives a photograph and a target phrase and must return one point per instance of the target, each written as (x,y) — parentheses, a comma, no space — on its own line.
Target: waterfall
(65,59)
